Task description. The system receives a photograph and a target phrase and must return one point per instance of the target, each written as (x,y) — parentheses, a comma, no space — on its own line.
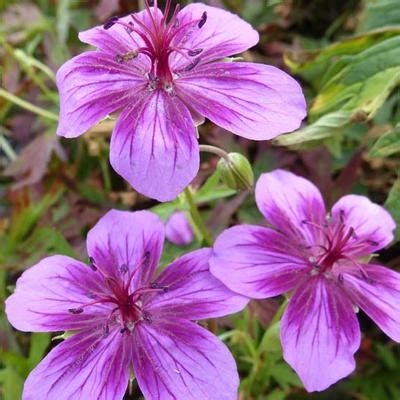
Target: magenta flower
(178,229)
(322,260)
(124,318)
(166,73)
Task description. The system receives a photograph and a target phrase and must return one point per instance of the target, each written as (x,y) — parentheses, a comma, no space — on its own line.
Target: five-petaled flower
(323,261)
(165,72)
(124,318)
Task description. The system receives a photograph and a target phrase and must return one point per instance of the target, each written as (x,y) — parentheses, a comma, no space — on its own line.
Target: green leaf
(331,124)
(212,190)
(379,14)
(11,384)
(393,205)
(388,144)
(39,344)
(364,84)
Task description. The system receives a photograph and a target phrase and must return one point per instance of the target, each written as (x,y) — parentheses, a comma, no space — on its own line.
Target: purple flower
(166,72)
(124,318)
(178,229)
(322,260)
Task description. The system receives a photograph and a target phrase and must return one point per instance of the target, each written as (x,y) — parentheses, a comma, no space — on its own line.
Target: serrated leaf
(387,145)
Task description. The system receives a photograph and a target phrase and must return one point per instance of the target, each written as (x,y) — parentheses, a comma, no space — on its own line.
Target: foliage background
(346,54)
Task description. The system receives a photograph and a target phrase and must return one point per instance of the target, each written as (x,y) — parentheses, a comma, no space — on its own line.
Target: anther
(92,264)
(106,330)
(123,330)
(192,65)
(147,317)
(203,19)
(124,268)
(195,52)
(129,30)
(75,310)
(110,22)
(340,278)
(156,285)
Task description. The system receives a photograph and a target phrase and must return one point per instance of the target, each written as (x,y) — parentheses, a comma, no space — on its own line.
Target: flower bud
(236,171)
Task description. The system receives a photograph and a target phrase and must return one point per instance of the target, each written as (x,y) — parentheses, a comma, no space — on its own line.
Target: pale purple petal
(178,229)
(178,360)
(223,34)
(292,204)
(85,366)
(154,146)
(192,292)
(257,262)
(117,39)
(373,225)
(376,290)
(320,333)
(46,291)
(91,86)
(124,242)
(255,101)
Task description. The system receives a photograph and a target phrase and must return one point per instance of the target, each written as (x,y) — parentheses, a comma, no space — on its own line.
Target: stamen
(110,22)
(192,65)
(92,264)
(195,52)
(156,285)
(203,19)
(75,310)
(123,268)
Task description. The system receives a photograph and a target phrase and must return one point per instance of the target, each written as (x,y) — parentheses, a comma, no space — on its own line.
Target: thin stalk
(206,148)
(28,106)
(196,217)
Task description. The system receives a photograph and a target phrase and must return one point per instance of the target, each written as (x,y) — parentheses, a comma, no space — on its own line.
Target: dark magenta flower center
(128,303)
(338,241)
(161,36)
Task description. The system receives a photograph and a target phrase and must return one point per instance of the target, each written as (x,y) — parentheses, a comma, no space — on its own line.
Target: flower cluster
(165,72)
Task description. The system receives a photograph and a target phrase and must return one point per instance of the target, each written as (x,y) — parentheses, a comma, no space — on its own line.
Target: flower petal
(46,291)
(255,101)
(91,86)
(178,360)
(154,146)
(377,292)
(372,224)
(117,39)
(193,293)
(256,262)
(320,334)
(124,242)
(178,229)
(223,34)
(292,204)
(85,366)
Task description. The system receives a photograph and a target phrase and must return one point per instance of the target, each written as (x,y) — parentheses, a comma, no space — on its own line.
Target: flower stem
(196,217)
(214,150)
(28,106)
